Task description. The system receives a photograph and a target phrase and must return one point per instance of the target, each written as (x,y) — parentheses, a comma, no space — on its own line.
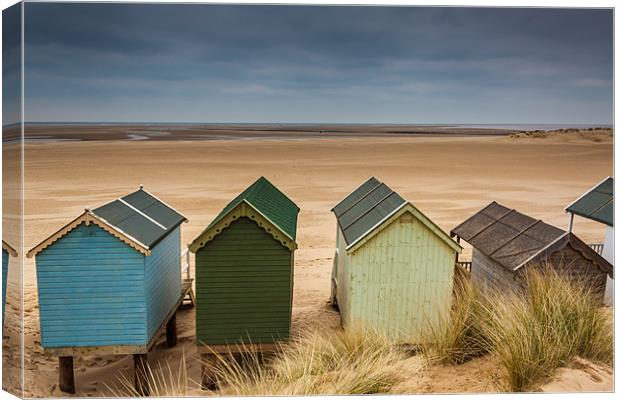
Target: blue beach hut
(108,280)
(7,251)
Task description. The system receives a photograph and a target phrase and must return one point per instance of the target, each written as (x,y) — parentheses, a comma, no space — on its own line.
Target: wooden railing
(185,264)
(466,265)
(598,247)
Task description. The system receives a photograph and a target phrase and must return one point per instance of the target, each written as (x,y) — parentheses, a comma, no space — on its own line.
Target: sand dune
(447,178)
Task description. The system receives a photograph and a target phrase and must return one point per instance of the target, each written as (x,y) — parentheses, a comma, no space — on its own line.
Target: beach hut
(597,204)
(506,243)
(244,274)
(7,251)
(108,280)
(393,268)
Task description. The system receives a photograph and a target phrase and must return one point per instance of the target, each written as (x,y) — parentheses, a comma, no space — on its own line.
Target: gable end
(87,218)
(243,209)
(406,208)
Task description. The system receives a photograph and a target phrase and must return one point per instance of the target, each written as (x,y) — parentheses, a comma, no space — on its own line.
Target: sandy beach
(447,178)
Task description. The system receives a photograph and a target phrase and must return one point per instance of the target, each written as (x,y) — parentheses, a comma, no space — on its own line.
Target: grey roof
(363,209)
(596,204)
(507,236)
(354,197)
(142,216)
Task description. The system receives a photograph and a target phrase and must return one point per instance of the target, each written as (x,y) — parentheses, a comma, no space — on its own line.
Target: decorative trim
(585,251)
(12,252)
(87,218)
(243,209)
(405,207)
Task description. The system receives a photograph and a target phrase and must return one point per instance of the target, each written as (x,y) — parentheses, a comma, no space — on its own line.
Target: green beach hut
(393,268)
(244,271)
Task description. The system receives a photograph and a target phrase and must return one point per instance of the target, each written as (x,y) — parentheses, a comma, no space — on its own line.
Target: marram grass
(459,336)
(532,333)
(319,362)
(164,381)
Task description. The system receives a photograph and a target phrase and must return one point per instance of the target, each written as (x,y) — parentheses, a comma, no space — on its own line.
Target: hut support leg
(208,377)
(140,365)
(171,331)
(66,379)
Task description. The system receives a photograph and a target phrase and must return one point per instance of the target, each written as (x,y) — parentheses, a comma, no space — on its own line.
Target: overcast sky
(215,63)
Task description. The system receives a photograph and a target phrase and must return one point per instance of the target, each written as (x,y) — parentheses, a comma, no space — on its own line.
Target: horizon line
(308,123)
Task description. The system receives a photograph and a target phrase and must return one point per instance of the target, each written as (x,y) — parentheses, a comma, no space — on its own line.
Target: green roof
(270,202)
(597,203)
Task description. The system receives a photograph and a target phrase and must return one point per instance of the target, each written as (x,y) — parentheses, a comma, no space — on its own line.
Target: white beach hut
(597,204)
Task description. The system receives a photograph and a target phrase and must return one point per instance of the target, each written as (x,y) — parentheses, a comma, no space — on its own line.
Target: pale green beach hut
(393,268)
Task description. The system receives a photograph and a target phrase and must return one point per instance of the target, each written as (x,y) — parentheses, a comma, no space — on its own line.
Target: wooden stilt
(171,331)
(66,379)
(141,382)
(192,297)
(208,377)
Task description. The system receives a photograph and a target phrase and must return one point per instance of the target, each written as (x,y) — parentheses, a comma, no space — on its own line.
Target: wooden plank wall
(608,254)
(163,280)
(91,291)
(5,270)
(343,274)
(401,280)
(568,262)
(243,287)
(489,274)
(572,264)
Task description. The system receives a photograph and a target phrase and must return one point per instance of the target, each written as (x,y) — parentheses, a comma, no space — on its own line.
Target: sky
(324,64)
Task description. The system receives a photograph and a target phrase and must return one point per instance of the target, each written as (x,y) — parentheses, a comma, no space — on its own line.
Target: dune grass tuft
(532,333)
(459,336)
(319,362)
(164,381)
(556,320)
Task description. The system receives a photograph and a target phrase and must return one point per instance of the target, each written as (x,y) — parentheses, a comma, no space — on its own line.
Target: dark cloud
(286,55)
(11,65)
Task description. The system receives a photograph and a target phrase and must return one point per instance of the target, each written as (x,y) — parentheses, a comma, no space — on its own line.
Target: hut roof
(265,201)
(354,197)
(405,208)
(12,252)
(364,209)
(513,239)
(597,203)
(139,219)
